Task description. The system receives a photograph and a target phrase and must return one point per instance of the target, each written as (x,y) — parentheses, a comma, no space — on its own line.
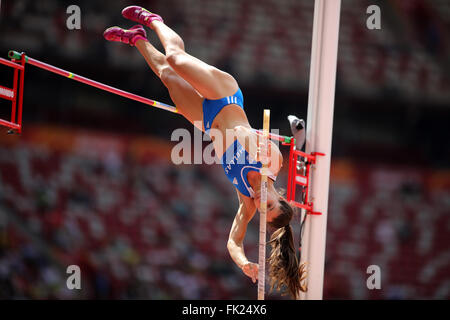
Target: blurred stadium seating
(146,229)
(267,41)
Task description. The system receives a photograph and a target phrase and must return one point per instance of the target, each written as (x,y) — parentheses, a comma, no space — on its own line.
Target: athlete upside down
(206,95)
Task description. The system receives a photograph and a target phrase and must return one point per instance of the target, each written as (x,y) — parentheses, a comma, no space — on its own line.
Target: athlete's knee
(167,76)
(175,57)
(175,43)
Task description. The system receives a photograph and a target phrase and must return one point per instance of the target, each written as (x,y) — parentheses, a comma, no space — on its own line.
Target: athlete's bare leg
(187,100)
(209,81)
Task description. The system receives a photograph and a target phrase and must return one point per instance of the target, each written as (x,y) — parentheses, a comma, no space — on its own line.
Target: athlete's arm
(250,140)
(235,243)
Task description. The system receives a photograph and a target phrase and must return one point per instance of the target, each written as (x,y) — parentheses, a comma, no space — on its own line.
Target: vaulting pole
(263,207)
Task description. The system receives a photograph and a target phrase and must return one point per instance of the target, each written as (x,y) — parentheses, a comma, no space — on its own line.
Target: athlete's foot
(130,36)
(141,15)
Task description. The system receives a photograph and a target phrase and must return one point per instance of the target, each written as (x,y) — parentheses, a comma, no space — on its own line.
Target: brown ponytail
(285,273)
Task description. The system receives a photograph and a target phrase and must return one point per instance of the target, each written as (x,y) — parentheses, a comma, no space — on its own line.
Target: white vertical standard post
(319,128)
(263,148)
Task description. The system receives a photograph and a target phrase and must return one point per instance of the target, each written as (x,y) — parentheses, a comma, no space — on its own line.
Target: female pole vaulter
(208,96)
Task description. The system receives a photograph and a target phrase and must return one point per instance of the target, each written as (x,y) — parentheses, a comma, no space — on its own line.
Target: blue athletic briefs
(211,108)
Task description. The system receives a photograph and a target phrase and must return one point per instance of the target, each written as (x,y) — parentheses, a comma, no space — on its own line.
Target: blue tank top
(237,164)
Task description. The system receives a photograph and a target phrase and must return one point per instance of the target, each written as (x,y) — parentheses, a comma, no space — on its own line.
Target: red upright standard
(14,94)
